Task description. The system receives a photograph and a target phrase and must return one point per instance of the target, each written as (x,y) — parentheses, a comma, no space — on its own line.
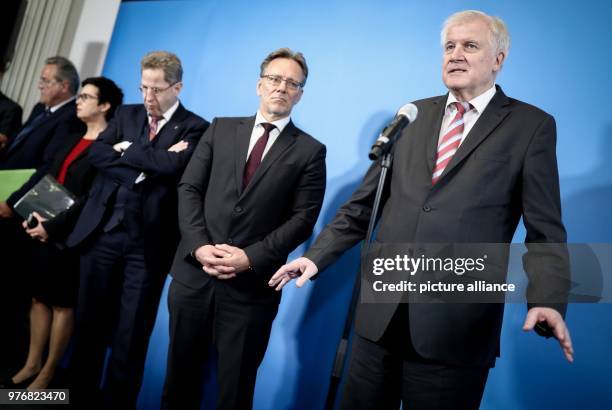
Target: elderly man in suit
(465,171)
(127,231)
(35,145)
(41,135)
(250,195)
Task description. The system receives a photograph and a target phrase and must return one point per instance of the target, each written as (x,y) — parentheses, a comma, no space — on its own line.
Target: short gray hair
(500,39)
(289,54)
(168,62)
(65,72)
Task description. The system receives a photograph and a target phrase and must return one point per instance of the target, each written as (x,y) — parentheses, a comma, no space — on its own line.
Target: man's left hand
(556,323)
(179,146)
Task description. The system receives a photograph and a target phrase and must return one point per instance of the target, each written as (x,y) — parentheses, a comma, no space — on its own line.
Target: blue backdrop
(367,58)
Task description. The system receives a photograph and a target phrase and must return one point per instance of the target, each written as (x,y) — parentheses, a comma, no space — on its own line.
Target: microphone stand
(342,348)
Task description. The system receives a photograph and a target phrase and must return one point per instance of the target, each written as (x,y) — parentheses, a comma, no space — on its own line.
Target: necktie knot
(267,126)
(462,107)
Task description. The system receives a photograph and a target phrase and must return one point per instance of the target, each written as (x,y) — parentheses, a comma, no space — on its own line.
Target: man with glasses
(40,137)
(127,232)
(250,195)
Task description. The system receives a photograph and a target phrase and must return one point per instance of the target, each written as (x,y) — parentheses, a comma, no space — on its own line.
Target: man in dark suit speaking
(465,171)
(128,231)
(251,193)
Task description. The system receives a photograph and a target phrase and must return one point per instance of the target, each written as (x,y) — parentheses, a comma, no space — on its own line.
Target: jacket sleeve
(159,161)
(191,190)
(546,261)
(308,199)
(350,224)
(108,161)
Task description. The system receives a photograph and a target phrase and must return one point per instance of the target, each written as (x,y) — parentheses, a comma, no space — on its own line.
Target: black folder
(48,197)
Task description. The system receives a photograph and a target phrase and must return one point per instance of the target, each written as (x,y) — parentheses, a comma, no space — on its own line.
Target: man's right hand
(5,210)
(302,268)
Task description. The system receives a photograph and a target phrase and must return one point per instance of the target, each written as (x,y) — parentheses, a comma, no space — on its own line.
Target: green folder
(11,180)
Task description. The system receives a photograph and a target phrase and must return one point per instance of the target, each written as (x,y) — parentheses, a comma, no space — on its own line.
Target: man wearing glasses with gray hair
(127,232)
(251,194)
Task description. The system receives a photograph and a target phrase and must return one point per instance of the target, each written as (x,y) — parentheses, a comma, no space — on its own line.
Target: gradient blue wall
(367,58)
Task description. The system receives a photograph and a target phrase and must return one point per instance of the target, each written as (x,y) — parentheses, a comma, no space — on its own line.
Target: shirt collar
(60,105)
(280,124)
(169,113)
(479,103)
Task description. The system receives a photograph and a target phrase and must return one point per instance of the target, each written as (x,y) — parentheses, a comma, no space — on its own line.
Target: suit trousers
(239,332)
(389,371)
(117,306)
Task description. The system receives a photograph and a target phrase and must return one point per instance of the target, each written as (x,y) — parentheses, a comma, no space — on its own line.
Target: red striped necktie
(450,141)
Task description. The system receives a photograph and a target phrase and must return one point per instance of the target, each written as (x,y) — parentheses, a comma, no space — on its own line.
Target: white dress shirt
(258,131)
(470,117)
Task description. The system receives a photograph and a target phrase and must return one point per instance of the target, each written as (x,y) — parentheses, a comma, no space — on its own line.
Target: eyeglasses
(84,97)
(144,89)
(45,82)
(276,80)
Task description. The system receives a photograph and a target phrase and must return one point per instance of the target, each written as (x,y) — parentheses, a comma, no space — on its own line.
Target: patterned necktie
(450,141)
(256,154)
(153,126)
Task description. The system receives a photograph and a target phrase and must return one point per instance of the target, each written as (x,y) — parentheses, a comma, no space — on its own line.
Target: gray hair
(289,54)
(65,72)
(500,39)
(166,61)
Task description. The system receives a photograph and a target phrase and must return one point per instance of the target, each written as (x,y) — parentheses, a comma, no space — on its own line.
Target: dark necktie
(256,154)
(26,130)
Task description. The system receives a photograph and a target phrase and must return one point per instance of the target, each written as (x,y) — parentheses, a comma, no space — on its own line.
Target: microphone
(389,135)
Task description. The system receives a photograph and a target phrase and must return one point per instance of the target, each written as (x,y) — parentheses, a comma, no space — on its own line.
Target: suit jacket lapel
(434,116)
(492,116)
(139,127)
(242,137)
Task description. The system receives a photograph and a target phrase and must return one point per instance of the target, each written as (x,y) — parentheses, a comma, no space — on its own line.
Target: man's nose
(149,95)
(282,86)
(457,53)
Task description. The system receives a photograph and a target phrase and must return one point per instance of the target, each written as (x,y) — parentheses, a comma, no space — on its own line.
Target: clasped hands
(222,261)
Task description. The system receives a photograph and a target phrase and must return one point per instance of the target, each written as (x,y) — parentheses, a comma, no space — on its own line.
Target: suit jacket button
(230,241)
(237,209)
(426,208)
